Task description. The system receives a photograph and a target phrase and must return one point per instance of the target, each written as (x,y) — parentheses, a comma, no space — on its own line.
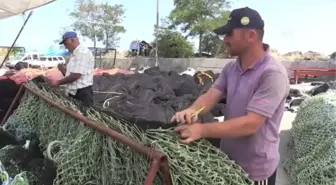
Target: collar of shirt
(77,49)
(256,63)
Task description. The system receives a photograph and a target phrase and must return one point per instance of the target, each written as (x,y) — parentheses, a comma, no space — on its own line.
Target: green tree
(333,56)
(211,42)
(86,16)
(172,44)
(214,45)
(99,22)
(111,18)
(15,50)
(198,17)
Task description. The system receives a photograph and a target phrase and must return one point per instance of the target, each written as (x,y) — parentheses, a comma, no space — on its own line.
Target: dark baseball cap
(241,18)
(68,35)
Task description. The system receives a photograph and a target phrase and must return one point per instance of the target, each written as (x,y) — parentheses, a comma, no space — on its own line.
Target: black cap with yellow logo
(241,18)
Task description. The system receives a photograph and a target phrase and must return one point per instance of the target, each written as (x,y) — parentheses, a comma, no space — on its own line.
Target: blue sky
(289,25)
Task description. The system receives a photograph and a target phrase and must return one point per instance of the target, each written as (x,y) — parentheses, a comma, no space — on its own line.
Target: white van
(34,60)
(22,59)
(47,62)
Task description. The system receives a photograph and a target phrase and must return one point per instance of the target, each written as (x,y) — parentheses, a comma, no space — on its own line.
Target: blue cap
(68,35)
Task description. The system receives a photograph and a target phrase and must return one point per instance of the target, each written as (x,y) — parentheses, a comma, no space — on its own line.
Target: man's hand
(62,68)
(207,100)
(190,133)
(185,116)
(54,83)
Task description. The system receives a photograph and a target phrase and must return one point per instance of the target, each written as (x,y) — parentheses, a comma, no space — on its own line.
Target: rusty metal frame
(158,160)
(306,68)
(311,71)
(297,74)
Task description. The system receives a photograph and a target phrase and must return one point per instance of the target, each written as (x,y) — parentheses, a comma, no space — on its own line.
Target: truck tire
(20,65)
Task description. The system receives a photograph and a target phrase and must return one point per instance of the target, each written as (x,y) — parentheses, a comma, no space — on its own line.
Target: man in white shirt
(78,72)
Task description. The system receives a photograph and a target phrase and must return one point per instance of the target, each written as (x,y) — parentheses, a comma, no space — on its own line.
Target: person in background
(255,87)
(78,72)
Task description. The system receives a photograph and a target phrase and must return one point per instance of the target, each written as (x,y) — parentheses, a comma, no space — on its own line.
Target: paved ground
(286,125)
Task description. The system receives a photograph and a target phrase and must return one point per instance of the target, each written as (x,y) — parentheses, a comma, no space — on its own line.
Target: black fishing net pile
(8,90)
(153,96)
(24,160)
(150,99)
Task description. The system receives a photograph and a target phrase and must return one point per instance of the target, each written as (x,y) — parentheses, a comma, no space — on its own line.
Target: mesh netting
(19,179)
(312,148)
(84,156)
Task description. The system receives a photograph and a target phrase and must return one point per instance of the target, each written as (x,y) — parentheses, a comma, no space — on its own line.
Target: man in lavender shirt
(255,87)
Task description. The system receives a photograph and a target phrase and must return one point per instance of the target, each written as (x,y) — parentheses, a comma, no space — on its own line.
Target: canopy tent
(10,8)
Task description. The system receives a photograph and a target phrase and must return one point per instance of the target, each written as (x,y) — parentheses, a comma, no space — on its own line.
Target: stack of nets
(312,148)
(85,156)
(19,179)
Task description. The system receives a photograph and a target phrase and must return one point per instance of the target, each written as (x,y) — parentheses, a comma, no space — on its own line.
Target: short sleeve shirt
(262,89)
(82,62)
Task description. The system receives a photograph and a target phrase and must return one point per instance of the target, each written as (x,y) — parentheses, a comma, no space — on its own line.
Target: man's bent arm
(69,79)
(207,100)
(274,87)
(234,128)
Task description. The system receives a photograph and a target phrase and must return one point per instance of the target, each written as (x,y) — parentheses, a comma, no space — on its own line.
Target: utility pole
(157,34)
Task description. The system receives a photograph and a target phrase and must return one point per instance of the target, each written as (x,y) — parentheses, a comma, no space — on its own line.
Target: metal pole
(157,34)
(18,35)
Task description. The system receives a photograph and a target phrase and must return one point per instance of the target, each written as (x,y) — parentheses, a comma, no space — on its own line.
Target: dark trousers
(85,95)
(269,181)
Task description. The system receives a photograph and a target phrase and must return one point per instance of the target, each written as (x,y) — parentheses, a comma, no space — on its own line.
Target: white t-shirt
(82,62)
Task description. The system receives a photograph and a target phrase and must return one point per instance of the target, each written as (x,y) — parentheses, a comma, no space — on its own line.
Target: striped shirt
(82,62)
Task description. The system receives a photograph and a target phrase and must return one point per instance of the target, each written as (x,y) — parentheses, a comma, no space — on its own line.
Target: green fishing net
(312,148)
(21,179)
(85,156)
